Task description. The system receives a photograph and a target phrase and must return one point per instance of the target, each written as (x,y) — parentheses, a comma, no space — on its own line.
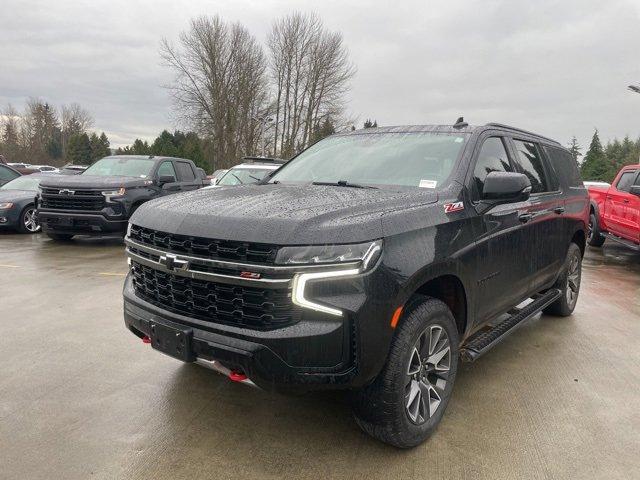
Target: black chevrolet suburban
(101,199)
(374,261)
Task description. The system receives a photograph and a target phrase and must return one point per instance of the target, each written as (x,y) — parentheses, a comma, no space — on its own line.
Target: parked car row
(373,261)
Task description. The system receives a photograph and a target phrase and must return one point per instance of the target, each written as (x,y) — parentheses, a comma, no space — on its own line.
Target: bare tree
(220,86)
(10,134)
(75,120)
(310,71)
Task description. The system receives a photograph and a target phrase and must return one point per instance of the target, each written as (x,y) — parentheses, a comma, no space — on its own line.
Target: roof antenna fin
(460,123)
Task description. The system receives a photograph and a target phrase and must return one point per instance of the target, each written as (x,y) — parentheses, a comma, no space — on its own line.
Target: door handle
(558,210)
(626,200)
(525,217)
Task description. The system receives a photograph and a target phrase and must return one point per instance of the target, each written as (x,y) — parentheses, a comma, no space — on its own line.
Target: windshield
(242,176)
(26,182)
(421,159)
(121,166)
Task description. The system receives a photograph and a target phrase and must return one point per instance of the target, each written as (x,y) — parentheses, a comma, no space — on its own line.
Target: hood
(91,181)
(279,214)
(16,195)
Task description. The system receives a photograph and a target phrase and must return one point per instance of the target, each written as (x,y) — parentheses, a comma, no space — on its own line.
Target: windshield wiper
(344,183)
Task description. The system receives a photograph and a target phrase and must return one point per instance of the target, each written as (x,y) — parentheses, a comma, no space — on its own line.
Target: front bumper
(319,351)
(10,217)
(80,223)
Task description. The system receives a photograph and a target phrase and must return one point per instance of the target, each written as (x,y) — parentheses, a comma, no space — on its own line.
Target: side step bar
(484,340)
(622,241)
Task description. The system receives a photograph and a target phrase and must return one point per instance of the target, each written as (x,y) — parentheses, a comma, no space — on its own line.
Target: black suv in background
(375,260)
(102,198)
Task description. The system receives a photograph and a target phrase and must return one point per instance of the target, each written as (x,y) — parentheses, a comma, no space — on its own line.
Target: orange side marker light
(396,316)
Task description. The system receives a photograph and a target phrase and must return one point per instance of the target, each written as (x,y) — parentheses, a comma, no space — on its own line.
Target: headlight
(314,254)
(6,206)
(128,229)
(366,253)
(109,194)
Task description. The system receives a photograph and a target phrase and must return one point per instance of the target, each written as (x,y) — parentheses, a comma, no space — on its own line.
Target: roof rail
(515,129)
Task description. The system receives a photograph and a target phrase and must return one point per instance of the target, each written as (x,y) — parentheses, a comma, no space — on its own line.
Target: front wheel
(29,220)
(407,400)
(569,284)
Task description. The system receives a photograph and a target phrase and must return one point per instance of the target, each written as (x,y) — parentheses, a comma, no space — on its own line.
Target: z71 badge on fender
(453,207)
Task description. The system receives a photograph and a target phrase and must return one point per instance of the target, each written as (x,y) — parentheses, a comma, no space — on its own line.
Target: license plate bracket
(175,342)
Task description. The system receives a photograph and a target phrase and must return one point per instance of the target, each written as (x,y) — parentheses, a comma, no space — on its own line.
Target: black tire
(28,222)
(569,284)
(60,237)
(382,409)
(595,238)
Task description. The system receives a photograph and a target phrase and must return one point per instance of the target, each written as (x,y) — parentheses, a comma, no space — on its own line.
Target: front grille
(89,200)
(215,249)
(249,307)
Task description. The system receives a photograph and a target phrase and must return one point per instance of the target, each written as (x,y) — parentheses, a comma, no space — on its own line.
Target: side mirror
(635,190)
(505,187)
(162,179)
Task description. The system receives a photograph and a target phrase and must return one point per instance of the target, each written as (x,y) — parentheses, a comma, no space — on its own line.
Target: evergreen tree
(164,145)
(369,124)
(575,149)
(140,147)
(595,165)
(99,146)
(322,131)
(79,149)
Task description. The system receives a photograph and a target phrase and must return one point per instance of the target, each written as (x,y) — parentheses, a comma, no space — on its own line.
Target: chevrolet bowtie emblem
(64,191)
(172,262)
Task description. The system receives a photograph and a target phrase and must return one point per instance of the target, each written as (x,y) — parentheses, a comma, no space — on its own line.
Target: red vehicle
(615,210)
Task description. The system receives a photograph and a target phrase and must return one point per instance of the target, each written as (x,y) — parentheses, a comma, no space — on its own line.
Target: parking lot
(80,397)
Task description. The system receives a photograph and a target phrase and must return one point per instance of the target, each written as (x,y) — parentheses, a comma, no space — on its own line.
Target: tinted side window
(166,168)
(625,182)
(492,158)
(565,165)
(185,172)
(530,159)
(7,174)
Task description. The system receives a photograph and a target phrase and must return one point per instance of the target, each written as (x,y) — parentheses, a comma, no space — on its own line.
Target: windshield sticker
(428,184)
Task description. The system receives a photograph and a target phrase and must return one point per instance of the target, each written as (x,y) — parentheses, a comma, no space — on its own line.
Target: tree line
(177,144)
(603,162)
(44,135)
(246,98)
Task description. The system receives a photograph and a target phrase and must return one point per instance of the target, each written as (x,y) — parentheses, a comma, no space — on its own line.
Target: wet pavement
(80,397)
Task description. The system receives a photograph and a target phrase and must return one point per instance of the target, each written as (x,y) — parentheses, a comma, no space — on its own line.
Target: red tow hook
(237,377)
(146,339)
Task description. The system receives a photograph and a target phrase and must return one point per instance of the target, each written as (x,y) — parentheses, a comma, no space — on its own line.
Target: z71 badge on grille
(453,207)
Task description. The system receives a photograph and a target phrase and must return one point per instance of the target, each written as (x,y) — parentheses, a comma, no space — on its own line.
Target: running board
(483,341)
(622,241)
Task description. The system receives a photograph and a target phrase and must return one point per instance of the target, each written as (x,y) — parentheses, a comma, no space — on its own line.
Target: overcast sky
(558,68)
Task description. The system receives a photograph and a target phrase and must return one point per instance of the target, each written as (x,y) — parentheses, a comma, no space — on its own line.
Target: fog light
(3,219)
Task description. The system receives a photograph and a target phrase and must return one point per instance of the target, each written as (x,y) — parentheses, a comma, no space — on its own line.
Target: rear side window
(626,180)
(166,169)
(530,159)
(185,172)
(563,163)
(492,158)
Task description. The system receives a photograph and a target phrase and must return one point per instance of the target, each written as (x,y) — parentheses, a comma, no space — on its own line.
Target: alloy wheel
(427,374)
(573,280)
(31,221)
